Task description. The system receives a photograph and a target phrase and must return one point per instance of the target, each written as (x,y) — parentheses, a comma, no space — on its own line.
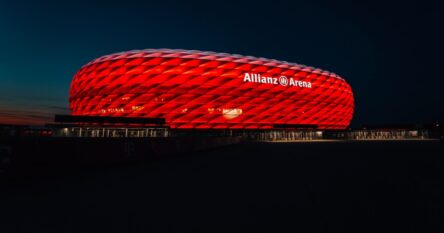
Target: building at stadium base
(207,90)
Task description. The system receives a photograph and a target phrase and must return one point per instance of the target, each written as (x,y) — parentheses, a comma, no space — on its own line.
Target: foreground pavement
(368,186)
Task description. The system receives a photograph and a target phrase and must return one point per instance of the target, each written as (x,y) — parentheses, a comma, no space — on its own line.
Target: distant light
(231,113)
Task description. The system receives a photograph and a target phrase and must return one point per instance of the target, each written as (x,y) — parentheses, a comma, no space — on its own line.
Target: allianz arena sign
(282,80)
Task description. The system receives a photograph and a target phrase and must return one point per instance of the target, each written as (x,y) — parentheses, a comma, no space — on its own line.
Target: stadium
(189,89)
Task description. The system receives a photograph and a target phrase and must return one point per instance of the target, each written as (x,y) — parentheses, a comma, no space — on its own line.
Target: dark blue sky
(391,52)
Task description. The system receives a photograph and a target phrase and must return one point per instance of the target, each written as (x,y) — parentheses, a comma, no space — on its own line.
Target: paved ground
(268,187)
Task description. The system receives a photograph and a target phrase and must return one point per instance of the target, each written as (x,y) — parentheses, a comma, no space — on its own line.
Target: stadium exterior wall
(208,90)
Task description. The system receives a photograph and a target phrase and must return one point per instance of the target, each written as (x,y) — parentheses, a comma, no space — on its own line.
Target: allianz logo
(282,80)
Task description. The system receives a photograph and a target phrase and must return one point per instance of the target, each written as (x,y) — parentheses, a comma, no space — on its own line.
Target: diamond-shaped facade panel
(194,89)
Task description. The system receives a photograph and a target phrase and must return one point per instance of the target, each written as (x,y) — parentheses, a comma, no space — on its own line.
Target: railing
(111,132)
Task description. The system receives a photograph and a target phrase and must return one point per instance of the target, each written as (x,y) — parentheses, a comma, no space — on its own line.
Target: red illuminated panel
(194,89)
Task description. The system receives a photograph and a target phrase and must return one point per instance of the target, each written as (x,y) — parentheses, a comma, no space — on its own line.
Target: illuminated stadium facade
(208,90)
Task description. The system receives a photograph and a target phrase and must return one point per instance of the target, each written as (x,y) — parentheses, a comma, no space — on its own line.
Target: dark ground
(274,187)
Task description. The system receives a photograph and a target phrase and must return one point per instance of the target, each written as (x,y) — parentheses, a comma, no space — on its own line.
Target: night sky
(391,52)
